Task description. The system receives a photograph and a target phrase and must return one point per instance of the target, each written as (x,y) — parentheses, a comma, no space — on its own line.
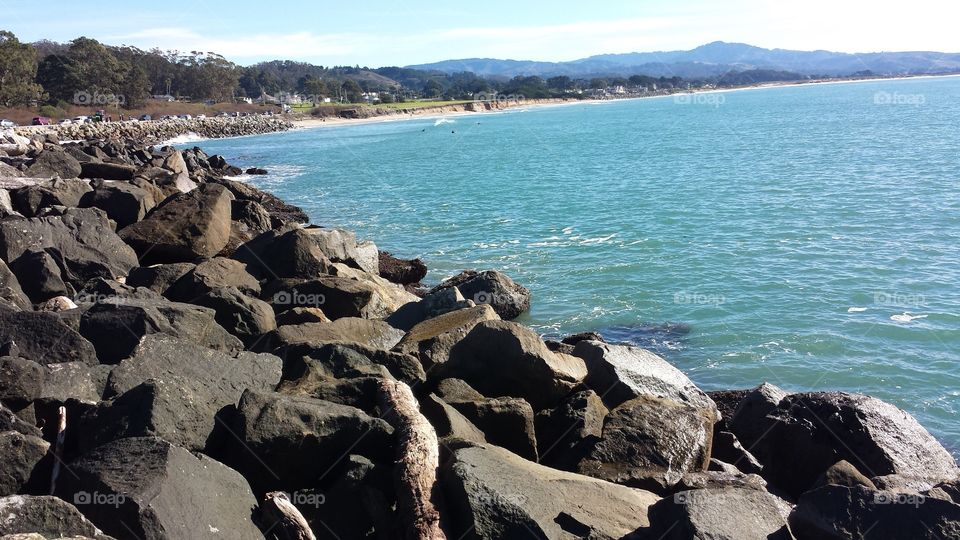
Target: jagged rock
(492,493)
(21,381)
(507,298)
(301,315)
(501,358)
(400,271)
(49,517)
(243,316)
(713,479)
(107,171)
(214,274)
(291,442)
(123,202)
(183,227)
(368,258)
(620,372)
(21,454)
(82,242)
(432,339)
(815,430)
(731,513)
(348,360)
(159,278)
(148,488)
(727,402)
(11,294)
(505,422)
(41,276)
(375,334)
(53,161)
(650,441)
(338,297)
(338,245)
(449,423)
(74,380)
(115,327)
(163,357)
(43,337)
(847,513)
(107,290)
(9,421)
(281,213)
(727,448)
(566,433)
(285,253)
(359,392)
(31,200)
(750,422)
(843,473)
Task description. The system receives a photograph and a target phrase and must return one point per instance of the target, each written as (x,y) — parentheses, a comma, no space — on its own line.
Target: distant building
(164,97)
(246,100)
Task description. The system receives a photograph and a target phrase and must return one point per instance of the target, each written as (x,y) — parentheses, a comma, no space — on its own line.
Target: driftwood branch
(418,456)
(283,518)
(58,447)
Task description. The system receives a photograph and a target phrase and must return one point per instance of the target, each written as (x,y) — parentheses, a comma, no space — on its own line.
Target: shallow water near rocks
(806,236)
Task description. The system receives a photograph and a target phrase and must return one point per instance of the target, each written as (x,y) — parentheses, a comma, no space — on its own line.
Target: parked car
(201,117)
(81,120)
(223,115)
(185,117)
(41,121)
(145,117)
(7,123)
(167,117)
(66,121)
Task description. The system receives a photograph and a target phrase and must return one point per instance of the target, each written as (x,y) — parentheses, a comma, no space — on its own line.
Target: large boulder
(567,432)
(348,360)
(505,422)
(749,421)
(82,242)
(11,294)
(21,380)
(159,278)
(720,514)
(107,171)
(338,296)
(507,298)
(21,454)
(43,337)
(492,493)
(400,271)
(836,512)
(246,317)
(432,339)
(32,200)
(41,275)
(339,245)
(123,202)
(651,442)
(149,488)
(291,442)
(49,517)
(53,161)
(501,358)
(76,380)
(620,372)
(184,227)
(288,253)
(375,334)
(115,327)
(281,213)
(213,274)
(813,431)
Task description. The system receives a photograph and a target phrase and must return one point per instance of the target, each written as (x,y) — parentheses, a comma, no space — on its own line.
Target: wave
(186,138)
(441,121)
(906,317)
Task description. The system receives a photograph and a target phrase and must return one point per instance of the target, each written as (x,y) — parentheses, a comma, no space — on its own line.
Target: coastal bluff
(184,355)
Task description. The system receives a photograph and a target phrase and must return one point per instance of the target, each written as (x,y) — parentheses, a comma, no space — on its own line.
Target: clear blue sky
(385,32)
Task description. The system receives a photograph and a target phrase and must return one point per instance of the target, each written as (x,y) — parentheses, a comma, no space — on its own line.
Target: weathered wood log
(58,447)
(283,519)
(418,456)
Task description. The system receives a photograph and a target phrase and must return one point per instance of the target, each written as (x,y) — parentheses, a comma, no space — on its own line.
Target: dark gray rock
(9,421)
(21,381)
(843,473)
(11,294)
(401,271)
(449,423)
(815,430)
(283,253)
(21,456)
(371,333)
(123,202)
(501,358)
(43,337)
(750,422)
(359,392)
(107,171)
(491,287)
(727,448)
(32,200)
(115,327)
(291,442)
(492,493)
(148,488)
(159,278)
(41,276)
(720,514)
(243,316)
(432,339)
(505,422)
(567,432)
(53,161)
(50,517)
(214,274)
(74,380)
(184,227)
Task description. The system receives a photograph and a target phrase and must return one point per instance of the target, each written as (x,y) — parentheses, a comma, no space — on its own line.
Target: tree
(18,69)
(561,83)
(313,87)
(351,91)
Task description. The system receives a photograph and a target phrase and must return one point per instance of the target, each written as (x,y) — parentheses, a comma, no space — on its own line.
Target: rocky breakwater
(183,356)
(154,131)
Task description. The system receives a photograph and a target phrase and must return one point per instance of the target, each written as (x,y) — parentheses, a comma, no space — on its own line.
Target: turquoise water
(807,236)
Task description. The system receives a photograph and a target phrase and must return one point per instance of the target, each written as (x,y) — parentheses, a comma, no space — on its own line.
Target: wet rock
(290,442)
(50,517)
(650,441)
(815,430)
(720,514)
(507,298)
(492,493)
(115,327)
(43,337)
(153,489)
(501,358)
(184,227)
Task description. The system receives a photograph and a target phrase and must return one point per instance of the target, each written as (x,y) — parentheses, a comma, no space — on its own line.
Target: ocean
(808,236)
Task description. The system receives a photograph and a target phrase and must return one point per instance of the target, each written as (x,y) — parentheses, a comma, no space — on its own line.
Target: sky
(377,33)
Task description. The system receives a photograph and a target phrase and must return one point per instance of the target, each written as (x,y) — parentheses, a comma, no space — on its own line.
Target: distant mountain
(712,60)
